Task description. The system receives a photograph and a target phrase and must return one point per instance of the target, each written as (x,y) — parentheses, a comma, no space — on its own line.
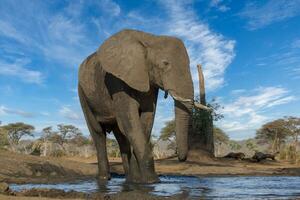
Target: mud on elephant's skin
(118,88)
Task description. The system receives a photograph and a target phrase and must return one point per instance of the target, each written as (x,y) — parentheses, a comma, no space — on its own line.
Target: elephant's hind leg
(98,135)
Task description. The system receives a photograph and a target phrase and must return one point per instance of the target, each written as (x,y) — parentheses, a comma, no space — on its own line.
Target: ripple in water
(258,187)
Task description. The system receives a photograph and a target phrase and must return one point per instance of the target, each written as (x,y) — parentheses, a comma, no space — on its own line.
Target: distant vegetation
(280,135)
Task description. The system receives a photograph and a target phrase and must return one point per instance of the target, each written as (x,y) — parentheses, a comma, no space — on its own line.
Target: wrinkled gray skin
(118,88)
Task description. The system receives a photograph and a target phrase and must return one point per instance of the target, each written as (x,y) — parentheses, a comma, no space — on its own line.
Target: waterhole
(254,187)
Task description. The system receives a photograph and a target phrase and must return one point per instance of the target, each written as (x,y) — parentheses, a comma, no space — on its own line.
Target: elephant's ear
(126,59)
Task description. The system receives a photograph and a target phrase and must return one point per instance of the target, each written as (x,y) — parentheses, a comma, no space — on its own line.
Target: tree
(67,132)
(202,126)
(113,148)
(220,136)
(235,146)
(274,133)
(250,144)
(3,137)
(293,125)
(199,124)
(15,131)
(215,106)
(47,133)
(80,140)
(168,131)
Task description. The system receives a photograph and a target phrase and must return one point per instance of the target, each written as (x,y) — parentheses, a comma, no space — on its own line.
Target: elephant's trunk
(182,122)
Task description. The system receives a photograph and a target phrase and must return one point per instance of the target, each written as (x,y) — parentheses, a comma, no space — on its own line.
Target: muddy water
(233,187)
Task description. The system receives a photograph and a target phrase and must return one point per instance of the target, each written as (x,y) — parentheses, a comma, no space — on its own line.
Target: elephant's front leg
(130,164)
(148,112)
(128,118)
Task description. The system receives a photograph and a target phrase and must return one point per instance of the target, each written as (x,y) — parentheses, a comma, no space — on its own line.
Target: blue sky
(250,52)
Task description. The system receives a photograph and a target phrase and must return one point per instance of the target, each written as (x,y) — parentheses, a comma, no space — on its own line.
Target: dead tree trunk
(201,85)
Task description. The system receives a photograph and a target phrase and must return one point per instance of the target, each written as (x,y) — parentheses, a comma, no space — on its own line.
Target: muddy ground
(17,168)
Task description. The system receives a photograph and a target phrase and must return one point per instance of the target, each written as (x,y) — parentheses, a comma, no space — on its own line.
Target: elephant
(118,88)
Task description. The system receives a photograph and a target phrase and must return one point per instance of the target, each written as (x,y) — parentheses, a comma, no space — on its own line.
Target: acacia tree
(234,145)
(250,144)
(293,125)
(168,131)
(3,136)
(67,132)
(47,133)
(15,131)
(274,133)
(220,136)
(113,148)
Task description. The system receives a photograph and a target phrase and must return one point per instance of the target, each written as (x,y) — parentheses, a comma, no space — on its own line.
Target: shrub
(291,153)
(57,153)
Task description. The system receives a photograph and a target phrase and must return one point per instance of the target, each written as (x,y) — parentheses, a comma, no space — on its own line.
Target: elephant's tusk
(166,94)
(200,106)
(197,105)
(181,99)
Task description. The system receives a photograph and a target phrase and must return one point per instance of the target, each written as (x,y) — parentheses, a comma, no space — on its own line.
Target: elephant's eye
(165,62)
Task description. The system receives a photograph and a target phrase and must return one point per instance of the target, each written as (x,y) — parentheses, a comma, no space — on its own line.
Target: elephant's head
(142,60)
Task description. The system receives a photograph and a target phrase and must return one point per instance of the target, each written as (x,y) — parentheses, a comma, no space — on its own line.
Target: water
(233,187)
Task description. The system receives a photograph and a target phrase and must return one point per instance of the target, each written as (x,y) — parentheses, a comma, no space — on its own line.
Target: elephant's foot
(144,179)
(104,178)
(151,178)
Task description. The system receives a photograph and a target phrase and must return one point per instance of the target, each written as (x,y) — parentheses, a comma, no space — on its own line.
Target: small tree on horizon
(234,145)
(15,131)
(168,131)
(250,144)
(3,136)
(67,132)
(220,136)
(274,133)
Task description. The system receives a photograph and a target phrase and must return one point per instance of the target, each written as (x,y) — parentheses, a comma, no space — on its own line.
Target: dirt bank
(19,168)
(16,168)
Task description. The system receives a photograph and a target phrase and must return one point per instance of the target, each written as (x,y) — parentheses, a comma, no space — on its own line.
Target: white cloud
(219,4)
(46,114)
(205,47)
(18,69)
(70,114)
(270,12)
(9,31)
(111,7)
(286,58)
(53,36)
(248,112)
(65,30)
(8,111)
(296,43)
(237,91)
